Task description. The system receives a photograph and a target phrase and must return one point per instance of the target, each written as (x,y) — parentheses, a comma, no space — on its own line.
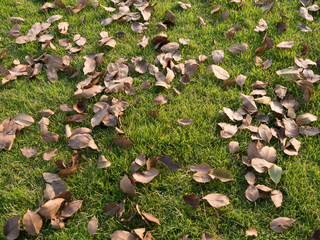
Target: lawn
(21,181)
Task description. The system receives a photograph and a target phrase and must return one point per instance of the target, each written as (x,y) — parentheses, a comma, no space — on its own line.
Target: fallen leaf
(281,224)
(285,44)
(217,200)
(202,177)
(252,232)
(192,200)
(151,217)
(32,223)
(160,100)
(185,121)
(219,72)
(146,176)
(28,152)
(122,142)
(306,118)
(11,228)
(238,48)
(260,165)
(122,235)
(169,163)
(250,177)
(93,226)
(103,162)
(47,156)
(50,208)
(252,193)
(276,197)
(127,185)
(305,14)
(71,208)
(222,174)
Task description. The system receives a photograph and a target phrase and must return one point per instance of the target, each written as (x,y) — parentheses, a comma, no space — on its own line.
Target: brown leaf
(122,235)
(252,193)
(146,176)
(206,236)
(170,47)
(151,217)
(63,27)
(71,208)
(103,162)
(305,14)
(169,163)
(49,209)
(224,15)
(24,120)
(248,103)
(17,20)
(127,185)
(122,142)
(306,118)
(47,156)
(50,137)
(260,165)
(66,107)
(228,130)
(68,171)
(28,152)
(144,42)
(184,6)
(140,232)
(32,223)
(160,100)
(11,228)
(201,21)
(93,226)
(50,177)
(281,26)
(222,174)
(88,93)
(276,197)
(77,118)
(219,72)
(233,147)
(46,113)
(292,147)
(217,200)
(185,121)
(111,209)
(192,200)
(281,224)
(285,44)
(250,177)
(202,177)
(217,56)
(265,133)
(238,48)
(263,26)
(252,232)
(57,223)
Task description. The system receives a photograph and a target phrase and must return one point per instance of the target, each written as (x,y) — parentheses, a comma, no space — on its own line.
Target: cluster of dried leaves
(261,157)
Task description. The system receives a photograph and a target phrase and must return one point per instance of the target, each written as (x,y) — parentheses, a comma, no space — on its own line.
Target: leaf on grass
(50,208)
(122,235)
(292,147)
(93,226)
(275,173)
(305,14)
(160,100)
(281,224)
(233,147)
(228,130)
(217,56)
(217,200)
(103,162)
(192,200)
(77,118)
(260,165)
(252,232)
(238,48)
(151,217)
(57,223)
(68,171)
(71,208)
(111,209)
(265,133)
(47,156)
(127,185)
(146,176)
(202,177)
(122,142)
(185,121)
(32,223)
(306,118)
(252,193)
(219,72)
(28,152)
(11,228)
(276,197)
(250,177)
(285,44)
(169,163)
(222,174)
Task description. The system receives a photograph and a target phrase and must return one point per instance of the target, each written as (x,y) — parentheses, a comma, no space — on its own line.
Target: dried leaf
(47,156)
(238,48)
(252,193)
(32,223)
(217,200)
(285,44)
(305,14)
(146,176)
(122,235)
(49,209)
(160,100)
(276,197)
(222,174)
(122,142)
(103,162)
(151,217)
(11,228)
(281,224)
(169,163)
(219,72)
(127,185)
(252,232)
(185,121)
(202,177)
(250,177)
(260,165)
(192,200)
(28,152)
(93,226)
(306,118)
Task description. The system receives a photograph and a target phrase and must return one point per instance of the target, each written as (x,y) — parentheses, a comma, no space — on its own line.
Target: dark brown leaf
(11,228)
(192,200)
(122,142)
(169,163)
(127,185)
(71,208)
(49,209)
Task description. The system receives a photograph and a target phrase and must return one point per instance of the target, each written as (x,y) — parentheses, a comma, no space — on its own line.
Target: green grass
(21,183)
